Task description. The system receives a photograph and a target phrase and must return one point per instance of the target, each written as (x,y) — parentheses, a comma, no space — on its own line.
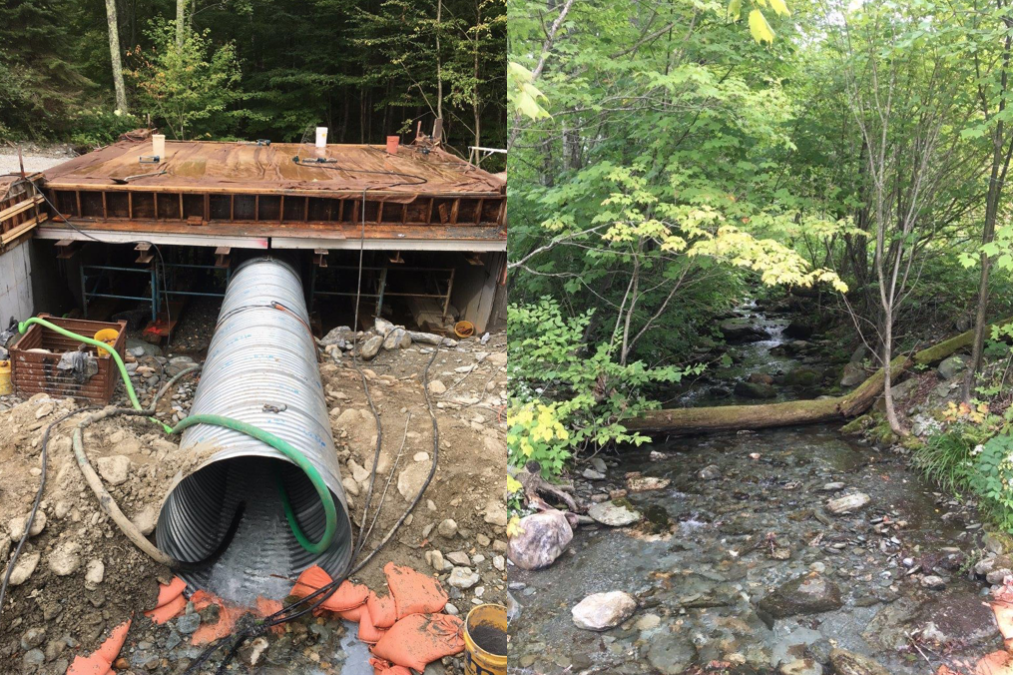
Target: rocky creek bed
(786,551)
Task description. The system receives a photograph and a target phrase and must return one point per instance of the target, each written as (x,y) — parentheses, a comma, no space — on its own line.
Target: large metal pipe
(261,368)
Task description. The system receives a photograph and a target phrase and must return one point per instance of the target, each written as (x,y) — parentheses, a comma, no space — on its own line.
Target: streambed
(893,571)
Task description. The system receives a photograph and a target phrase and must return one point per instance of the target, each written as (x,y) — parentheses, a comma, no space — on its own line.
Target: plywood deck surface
(213,167)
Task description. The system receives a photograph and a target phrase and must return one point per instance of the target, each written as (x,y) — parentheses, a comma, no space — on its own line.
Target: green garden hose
(330,511)
(282,446)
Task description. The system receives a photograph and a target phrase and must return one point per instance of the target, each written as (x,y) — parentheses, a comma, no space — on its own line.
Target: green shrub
(566,396)
(96,127)
(946,459)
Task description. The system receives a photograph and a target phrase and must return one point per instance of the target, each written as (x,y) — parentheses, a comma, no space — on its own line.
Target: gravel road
(33,162)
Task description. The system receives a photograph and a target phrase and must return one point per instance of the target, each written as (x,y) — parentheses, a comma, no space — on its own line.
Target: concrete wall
(16,297)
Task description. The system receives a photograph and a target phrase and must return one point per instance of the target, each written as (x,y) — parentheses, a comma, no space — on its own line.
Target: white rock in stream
(602,611)
(848,503)
(613,515)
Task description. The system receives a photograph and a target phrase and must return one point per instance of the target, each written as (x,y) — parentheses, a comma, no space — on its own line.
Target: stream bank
(784,551)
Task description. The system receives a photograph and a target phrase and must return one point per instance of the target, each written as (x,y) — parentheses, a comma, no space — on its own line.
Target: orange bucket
(392,143)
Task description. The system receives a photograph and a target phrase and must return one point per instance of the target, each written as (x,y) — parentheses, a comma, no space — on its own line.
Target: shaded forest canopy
(366,69)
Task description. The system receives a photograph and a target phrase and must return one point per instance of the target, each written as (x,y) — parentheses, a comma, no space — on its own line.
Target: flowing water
(758,522)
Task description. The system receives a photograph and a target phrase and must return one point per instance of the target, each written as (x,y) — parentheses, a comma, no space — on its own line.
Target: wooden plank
(130,205)
(454,210)
(21,206)
(23,228)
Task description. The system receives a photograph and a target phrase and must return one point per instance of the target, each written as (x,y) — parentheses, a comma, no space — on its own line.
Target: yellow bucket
(107,335)
(483,622)
(5,378)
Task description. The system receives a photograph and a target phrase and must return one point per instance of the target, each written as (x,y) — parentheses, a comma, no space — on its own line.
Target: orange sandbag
(170,603)
(227,617)
(419,639)
(414,592)
(1004,619)
(347,596)
(368,633)
(996,663)
(353,614)
(101,660)
(383,610)
(381,667)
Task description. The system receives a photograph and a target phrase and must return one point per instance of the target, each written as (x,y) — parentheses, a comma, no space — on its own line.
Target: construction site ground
(80,576)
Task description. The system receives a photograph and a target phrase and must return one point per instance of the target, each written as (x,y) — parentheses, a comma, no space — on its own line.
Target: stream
(756,519)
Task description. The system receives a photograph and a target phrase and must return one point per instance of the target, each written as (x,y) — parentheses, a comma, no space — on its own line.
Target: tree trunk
(180,21)
(114,53)
(792,413)
(995,185)
(439,61)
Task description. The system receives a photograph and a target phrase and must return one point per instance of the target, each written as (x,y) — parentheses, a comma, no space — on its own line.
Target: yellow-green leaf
(759,28)
(780,7)
(513,485)
(734,9)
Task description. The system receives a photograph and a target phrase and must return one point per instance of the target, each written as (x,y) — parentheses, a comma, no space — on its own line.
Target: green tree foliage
(366,69)
(189,87)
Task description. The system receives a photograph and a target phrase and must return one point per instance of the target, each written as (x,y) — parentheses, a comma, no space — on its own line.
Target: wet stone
(188,623)
(811,594)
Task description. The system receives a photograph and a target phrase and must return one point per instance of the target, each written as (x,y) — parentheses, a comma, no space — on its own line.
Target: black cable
(38,499)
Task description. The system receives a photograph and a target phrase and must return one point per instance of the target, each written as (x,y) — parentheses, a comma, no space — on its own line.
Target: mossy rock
(656,520)
(912,443)
(857,425)
(802,377)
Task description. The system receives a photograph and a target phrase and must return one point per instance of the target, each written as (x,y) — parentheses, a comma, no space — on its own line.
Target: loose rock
(848,503)
(542,538)
(614,514)
(601,611)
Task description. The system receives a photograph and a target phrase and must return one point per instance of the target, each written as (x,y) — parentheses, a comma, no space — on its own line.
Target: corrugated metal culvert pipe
(261,368)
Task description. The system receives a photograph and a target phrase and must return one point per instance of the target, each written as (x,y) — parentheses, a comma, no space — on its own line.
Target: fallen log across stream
(791,413)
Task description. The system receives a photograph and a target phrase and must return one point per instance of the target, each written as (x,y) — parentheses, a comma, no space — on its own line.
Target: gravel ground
(36,160)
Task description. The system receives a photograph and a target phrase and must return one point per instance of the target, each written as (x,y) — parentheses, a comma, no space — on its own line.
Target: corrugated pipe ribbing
(261,368)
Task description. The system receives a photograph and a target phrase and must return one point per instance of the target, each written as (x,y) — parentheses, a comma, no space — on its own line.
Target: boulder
(541,538)
(802,377)
(853,376)
(740,330)
(760,378)
(397,339)
(614,514)
(953,366)
(337,336)
(754,390)
(850,663)
(811,594)
(799,330)
(848,503)
(370,347)
(602,611)
(382,326)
